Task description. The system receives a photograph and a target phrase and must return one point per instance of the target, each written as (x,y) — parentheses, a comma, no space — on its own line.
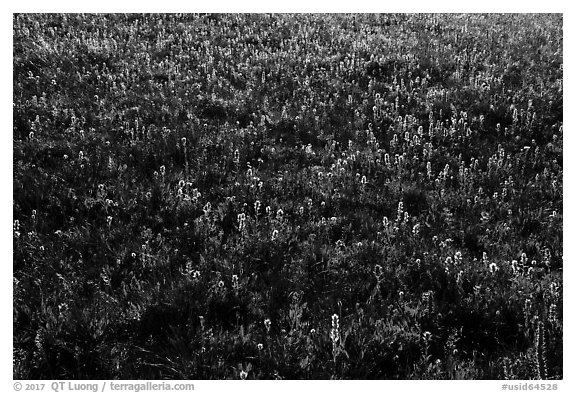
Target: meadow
(309,196)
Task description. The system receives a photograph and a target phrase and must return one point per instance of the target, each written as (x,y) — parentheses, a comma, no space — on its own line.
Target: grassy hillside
(287,196)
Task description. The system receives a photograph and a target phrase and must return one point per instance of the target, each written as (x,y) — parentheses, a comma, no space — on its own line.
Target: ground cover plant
(304,196)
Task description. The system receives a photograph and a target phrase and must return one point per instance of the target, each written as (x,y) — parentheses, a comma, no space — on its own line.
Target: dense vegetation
(287,196)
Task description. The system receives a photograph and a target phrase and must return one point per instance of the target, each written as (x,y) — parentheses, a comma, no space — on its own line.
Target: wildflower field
(311,196)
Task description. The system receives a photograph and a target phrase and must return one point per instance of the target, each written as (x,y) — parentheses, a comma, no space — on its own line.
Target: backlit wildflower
(427,336)
(241,222)
(493,268)
(207,208)
(514,265)
(400,211)
(457,257)
(335,332)
(274,234)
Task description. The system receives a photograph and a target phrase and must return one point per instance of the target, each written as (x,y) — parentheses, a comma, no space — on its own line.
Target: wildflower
(260,346)
(378,272)
(243,374)
(267,324)
(552,313)
(427,336)
(312,331)
(220,284)
(280,214)
(416,229)
(457,257)
(63,307)
(257,205)
(335,332)
(493,268)
(234,281)
(514,265)
(385,221)
(400,211)
(459,277)
(109,221)
(207,207)
(274,234)
(241,222)
(39,339)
